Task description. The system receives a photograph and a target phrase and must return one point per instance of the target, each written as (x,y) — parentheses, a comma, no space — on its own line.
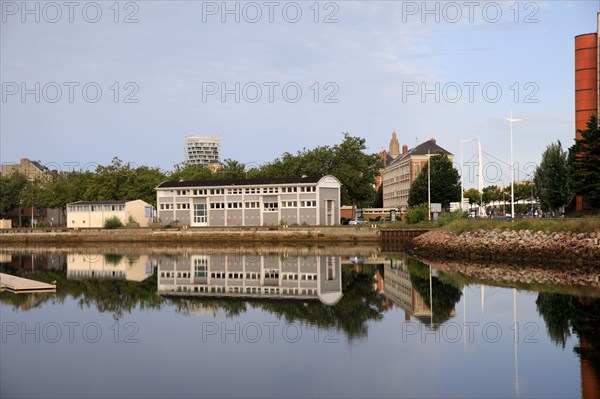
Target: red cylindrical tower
(586,79)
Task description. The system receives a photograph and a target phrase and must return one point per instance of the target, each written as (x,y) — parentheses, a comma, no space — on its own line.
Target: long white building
(312,200)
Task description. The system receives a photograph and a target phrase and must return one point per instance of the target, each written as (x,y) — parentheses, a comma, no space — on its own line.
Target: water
(287,322)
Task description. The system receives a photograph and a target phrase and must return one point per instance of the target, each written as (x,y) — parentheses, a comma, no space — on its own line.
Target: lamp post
(461,171)
(428,186)
(512,165)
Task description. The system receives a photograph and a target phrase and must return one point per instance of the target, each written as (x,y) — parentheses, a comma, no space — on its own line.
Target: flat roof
(98,203)
(240,182)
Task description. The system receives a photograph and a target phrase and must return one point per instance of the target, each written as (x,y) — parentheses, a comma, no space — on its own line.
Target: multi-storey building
(400,174)
(203,150)
(268,276)
(31,169)
(313,200)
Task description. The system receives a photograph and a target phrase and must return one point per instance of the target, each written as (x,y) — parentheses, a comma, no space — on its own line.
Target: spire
(394,145)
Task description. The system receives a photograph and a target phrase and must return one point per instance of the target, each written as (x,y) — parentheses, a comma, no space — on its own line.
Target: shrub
(417,214)
(450,217)
(113,223)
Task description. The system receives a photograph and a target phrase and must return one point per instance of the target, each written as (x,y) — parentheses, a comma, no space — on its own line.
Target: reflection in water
(313,288)
(418,289)
(252,276)
(109,267)
(563,313)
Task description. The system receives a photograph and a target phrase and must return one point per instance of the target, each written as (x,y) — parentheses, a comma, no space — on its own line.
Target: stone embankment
(311,235)
(581,277)
(512,246)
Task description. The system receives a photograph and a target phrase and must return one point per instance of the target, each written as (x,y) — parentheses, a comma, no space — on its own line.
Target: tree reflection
(446,293)
(566,313)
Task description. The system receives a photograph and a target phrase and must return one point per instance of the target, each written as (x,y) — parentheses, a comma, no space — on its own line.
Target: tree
(550,178)
(473,195)
(11,187)
(493,193)
(445,183)
(583,164)
(188,171)
(346,161)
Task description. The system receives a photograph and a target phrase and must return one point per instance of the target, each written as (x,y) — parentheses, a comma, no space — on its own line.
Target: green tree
(550,178)
(583,164)
(473,195)
(11,187)
(187,171)
(493,193)
(445,183)
(347,161)
(141,184)
(231,169)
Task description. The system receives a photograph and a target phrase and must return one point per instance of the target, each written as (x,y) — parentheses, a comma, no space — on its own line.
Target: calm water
(286,322)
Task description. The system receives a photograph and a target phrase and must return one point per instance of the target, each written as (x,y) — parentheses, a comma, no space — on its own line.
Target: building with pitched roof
(311,200)
(400,174)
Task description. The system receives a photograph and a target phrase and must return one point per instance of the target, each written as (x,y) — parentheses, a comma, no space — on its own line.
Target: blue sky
(367,62)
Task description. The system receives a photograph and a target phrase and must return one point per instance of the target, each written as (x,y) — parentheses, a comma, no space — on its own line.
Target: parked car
(357,221)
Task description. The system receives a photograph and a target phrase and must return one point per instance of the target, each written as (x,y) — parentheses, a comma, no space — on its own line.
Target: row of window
(250,190)
(268,206)
(248,290)
(96,208)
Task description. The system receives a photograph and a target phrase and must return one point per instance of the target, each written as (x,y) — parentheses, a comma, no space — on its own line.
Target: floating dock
(22,285)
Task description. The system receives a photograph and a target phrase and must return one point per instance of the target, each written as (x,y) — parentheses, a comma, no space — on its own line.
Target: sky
(84,82)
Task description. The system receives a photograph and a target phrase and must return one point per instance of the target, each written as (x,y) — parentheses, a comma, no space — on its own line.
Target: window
(289,204)
(200,266)
(270,190)
(251,205)
(308,204)
(217,205)
(234,205)
(217,191)
(270,206)
(253,190)
(289,189)
(234,191)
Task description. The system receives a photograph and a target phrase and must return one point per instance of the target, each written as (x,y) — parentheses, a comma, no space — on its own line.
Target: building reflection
(32,261)
(399,289)
(417,289)
(252,276)
(109,267)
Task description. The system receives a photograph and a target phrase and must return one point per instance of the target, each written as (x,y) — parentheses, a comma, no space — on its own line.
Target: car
(357,221)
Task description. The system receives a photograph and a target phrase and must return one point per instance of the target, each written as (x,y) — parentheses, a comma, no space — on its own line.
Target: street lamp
(462,169)
(512,165)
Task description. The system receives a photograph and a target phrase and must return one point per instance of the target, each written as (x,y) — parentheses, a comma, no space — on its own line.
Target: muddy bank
(518,247)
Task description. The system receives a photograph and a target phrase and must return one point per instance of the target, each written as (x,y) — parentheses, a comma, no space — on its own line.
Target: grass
(582,225)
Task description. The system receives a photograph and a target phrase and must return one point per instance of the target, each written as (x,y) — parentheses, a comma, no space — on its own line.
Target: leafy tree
(523,191)
(11,187)
(473,195)
(347,161)
(550,178)
(187,171)
(493,193)
(231,169)
(582,164)
(445,183)
(141,184)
